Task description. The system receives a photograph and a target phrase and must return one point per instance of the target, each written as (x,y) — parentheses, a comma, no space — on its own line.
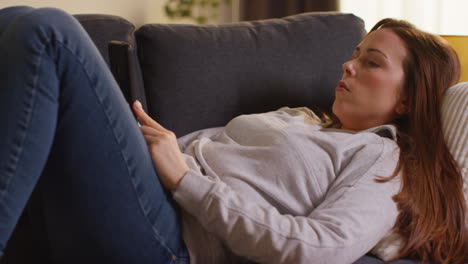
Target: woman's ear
(402,107)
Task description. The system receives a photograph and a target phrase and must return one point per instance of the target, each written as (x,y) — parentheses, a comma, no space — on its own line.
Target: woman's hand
(165,153)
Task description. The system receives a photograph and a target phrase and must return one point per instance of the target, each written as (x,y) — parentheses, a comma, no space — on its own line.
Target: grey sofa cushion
(202,76)
(368,259)
(104,28)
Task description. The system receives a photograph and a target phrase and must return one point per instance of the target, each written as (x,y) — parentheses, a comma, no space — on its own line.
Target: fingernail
(138,105)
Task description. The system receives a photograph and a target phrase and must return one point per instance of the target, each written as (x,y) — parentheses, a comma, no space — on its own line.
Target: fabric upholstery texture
(197,77)
(455,126)
(104,28)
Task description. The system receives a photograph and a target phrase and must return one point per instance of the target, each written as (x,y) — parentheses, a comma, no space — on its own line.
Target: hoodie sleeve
(352,218)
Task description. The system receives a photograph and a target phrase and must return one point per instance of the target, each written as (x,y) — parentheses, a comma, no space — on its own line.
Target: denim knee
(43,23)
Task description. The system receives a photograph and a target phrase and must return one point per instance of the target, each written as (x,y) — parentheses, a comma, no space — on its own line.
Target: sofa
(191,77)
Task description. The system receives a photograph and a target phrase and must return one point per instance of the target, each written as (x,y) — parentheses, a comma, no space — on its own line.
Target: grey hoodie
(280,188)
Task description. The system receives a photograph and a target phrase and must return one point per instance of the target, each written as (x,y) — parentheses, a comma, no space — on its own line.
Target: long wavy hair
(431,204)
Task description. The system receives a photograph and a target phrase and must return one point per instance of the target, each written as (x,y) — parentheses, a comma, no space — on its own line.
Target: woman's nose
(348,68)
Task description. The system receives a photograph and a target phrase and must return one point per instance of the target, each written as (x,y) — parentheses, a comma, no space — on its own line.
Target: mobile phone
(119,53)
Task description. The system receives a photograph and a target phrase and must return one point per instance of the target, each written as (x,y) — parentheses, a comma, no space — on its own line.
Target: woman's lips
(342,87)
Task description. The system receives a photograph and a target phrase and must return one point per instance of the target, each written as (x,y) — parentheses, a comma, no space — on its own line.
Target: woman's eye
(372,63)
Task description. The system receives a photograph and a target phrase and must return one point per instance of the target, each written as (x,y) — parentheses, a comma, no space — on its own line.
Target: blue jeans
(65,122)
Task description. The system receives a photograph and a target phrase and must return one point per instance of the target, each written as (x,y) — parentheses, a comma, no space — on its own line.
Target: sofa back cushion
(202,76)
(104,28)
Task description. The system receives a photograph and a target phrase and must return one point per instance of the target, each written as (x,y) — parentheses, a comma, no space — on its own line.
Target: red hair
(431,203)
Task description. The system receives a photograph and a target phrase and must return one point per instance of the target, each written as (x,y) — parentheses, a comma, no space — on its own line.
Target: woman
(274,188)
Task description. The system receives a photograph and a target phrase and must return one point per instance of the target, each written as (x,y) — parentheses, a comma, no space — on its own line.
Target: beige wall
(443,17)
(136,11)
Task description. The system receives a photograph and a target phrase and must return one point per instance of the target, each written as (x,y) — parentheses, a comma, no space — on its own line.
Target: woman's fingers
(164,150)
(144,117)
(148,130)
(150,140)
(157,133)
(165,153)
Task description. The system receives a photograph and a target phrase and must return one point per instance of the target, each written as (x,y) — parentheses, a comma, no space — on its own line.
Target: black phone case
(119,64)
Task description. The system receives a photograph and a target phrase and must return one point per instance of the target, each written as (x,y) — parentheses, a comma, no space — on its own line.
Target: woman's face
(369,93)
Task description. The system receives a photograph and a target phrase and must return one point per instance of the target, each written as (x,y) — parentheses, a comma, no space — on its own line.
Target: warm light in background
(460,43)
(442,17)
